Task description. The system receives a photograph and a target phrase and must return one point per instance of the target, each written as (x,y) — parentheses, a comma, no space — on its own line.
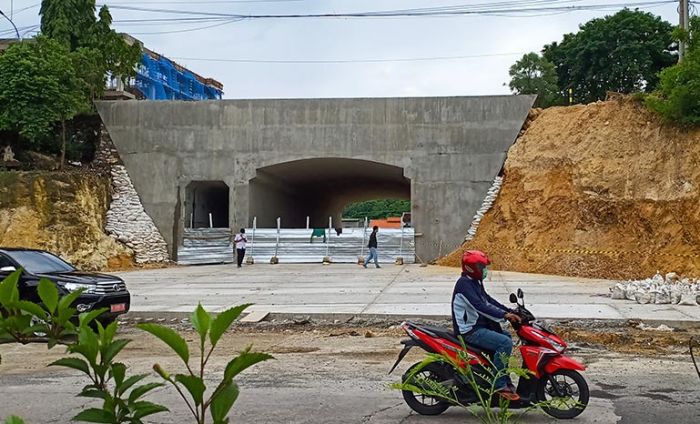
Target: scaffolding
(159,78)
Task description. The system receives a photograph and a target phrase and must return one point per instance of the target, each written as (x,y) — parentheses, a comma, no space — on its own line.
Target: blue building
(159,78)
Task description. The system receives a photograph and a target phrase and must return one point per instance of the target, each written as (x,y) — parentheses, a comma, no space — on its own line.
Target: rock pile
(670,289)
(491,196)
(129,223)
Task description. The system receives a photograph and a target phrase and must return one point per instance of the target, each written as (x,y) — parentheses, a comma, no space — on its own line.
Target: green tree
(533,74)
(103,52)
(376,209)
(39,80)
(622,53)
(678,96)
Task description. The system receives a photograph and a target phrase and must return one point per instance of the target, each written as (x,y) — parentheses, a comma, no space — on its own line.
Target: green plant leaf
(87,317)
(94,415)
(48,293)
(223,402)
(118,371)
(88,344)
(194,385)
(32,308)
(113,349)
(244,360)
(142,390)
(223,321)
(121,389)
(201,321)
(93,393)
(169,337)
(75,363)
(144,409)
(13,419)
(67,301)
(9,293)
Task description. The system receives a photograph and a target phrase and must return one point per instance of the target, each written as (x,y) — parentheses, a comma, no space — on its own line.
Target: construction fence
(296,245)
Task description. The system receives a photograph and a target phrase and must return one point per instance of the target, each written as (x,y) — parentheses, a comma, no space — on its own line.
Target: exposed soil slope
(61,212)
(607,178)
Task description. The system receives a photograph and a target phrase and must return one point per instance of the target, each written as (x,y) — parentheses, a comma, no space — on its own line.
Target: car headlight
(88,288)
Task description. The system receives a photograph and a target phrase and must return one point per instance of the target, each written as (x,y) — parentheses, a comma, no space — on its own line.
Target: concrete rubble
(659,290)
(129,223)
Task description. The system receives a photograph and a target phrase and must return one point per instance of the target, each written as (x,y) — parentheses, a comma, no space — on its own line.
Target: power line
(332,61)
(424,12)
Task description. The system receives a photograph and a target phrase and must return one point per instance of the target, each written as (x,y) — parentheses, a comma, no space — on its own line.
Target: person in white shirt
(240,241)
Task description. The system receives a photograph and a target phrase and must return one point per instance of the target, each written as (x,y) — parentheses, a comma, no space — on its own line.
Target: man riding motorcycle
(477,317)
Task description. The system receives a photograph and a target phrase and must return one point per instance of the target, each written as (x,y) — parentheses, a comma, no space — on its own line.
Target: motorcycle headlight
(558,347)
(88,288)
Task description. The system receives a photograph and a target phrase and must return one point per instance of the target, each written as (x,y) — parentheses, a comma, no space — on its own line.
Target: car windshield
(40,262)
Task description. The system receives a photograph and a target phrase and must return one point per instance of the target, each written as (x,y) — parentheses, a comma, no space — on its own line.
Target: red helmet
(474,262)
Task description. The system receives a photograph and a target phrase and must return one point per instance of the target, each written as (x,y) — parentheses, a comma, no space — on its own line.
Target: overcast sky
(497,41)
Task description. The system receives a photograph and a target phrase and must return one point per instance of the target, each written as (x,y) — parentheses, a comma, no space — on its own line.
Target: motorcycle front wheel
(574,389)
(424,404)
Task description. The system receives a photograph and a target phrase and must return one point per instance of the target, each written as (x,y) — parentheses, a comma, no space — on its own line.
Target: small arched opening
(207,204)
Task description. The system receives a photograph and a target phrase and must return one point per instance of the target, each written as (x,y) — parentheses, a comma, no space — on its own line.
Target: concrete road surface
(398,291)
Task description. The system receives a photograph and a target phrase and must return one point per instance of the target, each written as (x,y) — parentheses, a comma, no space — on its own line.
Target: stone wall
(129,222)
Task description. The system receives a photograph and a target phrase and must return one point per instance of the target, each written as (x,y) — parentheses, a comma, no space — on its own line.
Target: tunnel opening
(207,204)
(319,189)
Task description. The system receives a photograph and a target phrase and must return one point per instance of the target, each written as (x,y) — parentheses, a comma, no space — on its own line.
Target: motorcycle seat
(449,335)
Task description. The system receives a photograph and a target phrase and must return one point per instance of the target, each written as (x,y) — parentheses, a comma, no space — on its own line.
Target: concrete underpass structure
(239,159)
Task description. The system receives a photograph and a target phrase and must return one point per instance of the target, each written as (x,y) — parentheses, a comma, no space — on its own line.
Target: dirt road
(339,375)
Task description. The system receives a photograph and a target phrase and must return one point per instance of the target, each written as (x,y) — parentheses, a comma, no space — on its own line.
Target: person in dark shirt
(477,317)
(372,248)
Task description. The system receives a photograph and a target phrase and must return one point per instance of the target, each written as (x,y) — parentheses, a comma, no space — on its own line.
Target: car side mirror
(8,269)
(513,298)
(520,294)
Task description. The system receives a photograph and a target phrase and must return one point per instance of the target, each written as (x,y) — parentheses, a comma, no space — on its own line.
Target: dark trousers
(240,253)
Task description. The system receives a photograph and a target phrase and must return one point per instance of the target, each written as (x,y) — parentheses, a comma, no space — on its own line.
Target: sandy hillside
(607,179)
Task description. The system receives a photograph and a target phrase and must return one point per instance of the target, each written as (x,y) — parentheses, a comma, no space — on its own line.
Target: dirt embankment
(598,190)
(62,212)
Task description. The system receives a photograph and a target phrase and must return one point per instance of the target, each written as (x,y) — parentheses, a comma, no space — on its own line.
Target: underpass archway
(320,188)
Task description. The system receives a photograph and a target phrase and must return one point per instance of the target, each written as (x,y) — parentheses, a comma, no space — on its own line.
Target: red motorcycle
(555,380)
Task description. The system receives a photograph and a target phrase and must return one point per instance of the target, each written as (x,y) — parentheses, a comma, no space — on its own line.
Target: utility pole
(684,23)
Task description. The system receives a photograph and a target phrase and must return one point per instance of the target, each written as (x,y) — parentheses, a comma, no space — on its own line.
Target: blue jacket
(472,308)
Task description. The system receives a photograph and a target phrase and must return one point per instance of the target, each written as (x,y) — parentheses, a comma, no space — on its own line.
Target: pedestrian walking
(240,240)
(372,248)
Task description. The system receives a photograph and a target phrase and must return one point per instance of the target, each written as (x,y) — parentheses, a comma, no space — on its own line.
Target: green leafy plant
(51,321)
(222,398)
(24,322)
(678,96)
(14,420)
(481,381)
(122,398)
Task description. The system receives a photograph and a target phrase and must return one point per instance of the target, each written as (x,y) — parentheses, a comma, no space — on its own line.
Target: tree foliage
(533,74)
(678,96)
(103,51)
(39,86)
(376,209)
(622,53)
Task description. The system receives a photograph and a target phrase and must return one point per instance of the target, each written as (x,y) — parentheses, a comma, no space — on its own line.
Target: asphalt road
(331,376)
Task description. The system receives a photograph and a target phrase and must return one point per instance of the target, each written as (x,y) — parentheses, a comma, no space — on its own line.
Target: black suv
(101,290)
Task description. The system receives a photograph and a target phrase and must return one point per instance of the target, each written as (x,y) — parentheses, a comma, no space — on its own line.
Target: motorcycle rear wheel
(569,406)
(422,404)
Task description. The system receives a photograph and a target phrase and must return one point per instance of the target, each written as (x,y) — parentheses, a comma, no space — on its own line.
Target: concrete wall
(450,148)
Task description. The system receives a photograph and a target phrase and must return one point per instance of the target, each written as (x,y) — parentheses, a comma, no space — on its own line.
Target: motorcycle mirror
(513,298)
(520,294)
